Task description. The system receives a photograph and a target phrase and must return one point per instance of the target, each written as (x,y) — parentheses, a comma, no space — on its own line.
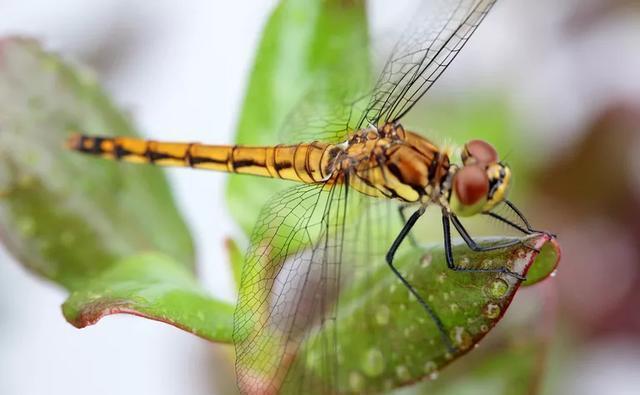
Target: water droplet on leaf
(491,311)
(356,381)
(461,337)
(498,288)
(425,261)
(373,364)
(403,373)
(382,315)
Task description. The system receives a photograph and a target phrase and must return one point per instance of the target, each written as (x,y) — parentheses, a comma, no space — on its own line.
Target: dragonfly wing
(432,39)
(318,304)
(278,287)
(309,242)
(429,44)
(327,115)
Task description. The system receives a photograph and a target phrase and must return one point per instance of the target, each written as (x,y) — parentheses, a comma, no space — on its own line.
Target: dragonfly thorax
(394,163)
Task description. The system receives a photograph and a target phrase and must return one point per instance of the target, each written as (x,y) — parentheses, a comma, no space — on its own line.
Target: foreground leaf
(65,216)
(469,305)
(155,287)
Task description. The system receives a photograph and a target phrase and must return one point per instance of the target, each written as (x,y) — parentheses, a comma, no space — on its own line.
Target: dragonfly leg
(510,223)
(401,210)
(390,254)
(520,215)
(446,217)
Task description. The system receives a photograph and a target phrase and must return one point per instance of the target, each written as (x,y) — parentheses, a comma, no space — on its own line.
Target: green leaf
(468,304)
(306,46)
(66,216)
(510,368)
(236,259)
(546,264)
(155,287)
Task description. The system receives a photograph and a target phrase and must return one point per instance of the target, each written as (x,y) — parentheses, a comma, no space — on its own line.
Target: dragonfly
(320,243)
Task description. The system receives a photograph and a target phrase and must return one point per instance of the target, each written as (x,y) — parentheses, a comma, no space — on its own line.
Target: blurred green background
(555,87)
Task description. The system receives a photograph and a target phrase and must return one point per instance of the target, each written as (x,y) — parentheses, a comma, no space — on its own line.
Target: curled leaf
(155,287)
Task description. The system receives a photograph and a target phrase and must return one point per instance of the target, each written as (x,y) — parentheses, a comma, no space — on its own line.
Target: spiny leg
(520,215)
(390,254)
(510,223)
(479,248)
(446,227)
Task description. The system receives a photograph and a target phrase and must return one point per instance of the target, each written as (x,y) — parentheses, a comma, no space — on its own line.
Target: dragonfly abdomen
(306,163)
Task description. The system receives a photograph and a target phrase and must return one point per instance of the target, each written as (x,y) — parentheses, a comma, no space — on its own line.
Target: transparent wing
(315,281)
(282,280)
(429,44)
(324,114)
(292,282)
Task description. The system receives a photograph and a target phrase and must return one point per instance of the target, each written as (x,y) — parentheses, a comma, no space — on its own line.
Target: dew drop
(382,315)
(392,288)
(461,337)
(430,367)
(430,298)
(445,295)
(498,288)
(409,330)
(403,373)
(554,273)
(487,263)
(484,328)
(491,311)
(464,261)
(373,364)
(425,261)
(411,297)
(433,375)
(356,382)
(442,277)
(453,307)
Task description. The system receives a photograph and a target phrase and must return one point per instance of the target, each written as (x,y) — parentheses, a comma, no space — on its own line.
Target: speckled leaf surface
(65,216)
(411,348)
(151,286)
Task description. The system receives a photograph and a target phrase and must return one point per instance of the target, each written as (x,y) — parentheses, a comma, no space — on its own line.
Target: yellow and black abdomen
(306,163)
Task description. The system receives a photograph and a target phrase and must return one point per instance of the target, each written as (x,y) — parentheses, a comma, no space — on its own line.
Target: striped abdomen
(302,162)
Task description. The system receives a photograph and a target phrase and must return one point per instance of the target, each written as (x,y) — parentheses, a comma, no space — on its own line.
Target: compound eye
(480,151)
(471,185)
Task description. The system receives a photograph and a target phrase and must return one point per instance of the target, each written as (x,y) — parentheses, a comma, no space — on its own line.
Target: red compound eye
(481,151)
(471,184)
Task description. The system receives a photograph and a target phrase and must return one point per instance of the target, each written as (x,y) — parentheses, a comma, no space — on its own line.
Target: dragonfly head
(481,182)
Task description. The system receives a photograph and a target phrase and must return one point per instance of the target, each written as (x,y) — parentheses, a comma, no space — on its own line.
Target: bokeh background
(563,78)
